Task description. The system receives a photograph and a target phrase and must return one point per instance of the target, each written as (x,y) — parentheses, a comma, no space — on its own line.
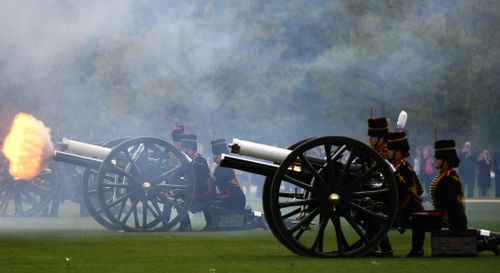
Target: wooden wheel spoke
(129,212)
(305,221)
(341,241)
(168,173)
(338,152)
(133,164)
(144,213)
(287,194)
(119,199)
(355,226)
(312,201)
(37,187)
(159,211)
(348,164)
(166,200)
(116,185)
(136,215)
(318,241)
(121,172)
(172,186)
(358,179)
(29,198)
(315,173)
(291,213)
(330,166)
(359,194)
(301,184)
(377,215)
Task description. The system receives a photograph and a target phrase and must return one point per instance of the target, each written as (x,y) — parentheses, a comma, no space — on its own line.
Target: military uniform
(447,197)
(409,190)
(229,191)
(205,191)
(409,187)
(378,130)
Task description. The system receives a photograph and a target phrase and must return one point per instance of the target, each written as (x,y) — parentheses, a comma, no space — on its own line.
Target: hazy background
(269,71)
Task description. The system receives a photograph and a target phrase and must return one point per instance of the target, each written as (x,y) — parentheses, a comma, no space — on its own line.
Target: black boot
(385,248)
(185,225)
(488,243)
(415,254)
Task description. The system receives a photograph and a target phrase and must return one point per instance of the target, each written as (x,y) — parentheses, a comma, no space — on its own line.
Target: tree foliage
(280,71)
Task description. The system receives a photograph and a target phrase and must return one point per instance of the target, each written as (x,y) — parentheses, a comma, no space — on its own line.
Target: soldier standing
(468,168)
(378,129)
(377,132)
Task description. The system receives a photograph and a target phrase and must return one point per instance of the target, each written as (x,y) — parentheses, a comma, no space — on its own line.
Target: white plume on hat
(403,117)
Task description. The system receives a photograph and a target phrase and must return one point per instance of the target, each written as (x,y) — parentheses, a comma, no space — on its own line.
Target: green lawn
(73,244)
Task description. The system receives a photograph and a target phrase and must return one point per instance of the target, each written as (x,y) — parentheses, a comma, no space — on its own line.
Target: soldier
(448,199)
(377,132)
(205,191)
(229,191)
(176,132)
(409,187)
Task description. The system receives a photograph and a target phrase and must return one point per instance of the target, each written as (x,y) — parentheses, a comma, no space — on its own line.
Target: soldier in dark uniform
(176,132)
(377,132)
(448,199)
(409,187)
(205,191)
(229,191)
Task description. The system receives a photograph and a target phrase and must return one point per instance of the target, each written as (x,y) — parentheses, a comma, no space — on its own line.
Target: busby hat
(397,141)
(219,146)
(378,127)
(188,142)
(445,150)
(176,131)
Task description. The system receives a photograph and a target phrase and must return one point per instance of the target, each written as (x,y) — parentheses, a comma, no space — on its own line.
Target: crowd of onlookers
(478,172)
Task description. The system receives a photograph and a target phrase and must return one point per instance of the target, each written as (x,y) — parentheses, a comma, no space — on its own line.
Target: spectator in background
(417,162)
(467,168)
(483,172)
(427,168)
(496,170)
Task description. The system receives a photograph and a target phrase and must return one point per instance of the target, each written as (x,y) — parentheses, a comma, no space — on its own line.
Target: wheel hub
(334,198)
(146,186)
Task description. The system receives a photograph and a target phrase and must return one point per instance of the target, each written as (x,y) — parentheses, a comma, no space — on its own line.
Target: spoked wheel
(27,197)
(145,184)
(89,192)
(332,197)
(265,198)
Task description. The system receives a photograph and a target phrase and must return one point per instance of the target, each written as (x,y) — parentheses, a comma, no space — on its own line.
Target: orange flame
(27,146)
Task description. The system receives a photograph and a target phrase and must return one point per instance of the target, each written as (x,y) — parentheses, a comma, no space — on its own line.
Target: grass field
(70,243)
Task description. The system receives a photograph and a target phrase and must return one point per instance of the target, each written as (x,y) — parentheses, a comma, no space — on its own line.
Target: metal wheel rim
(341,228)
(89,192)
(27,197)
(144,198)
(266,202)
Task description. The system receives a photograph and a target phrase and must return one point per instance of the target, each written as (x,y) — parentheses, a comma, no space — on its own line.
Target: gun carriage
(138,184)
(324,196)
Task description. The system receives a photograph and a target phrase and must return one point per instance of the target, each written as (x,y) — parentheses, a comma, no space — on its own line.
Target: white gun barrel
(84,149)
(257,150)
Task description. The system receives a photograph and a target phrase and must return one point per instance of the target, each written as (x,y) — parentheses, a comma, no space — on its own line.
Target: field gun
(136,184)
(324,196)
